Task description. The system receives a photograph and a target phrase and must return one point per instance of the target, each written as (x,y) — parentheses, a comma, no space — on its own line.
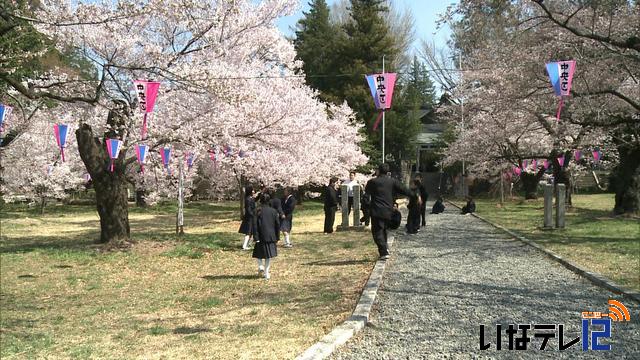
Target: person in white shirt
(351,183)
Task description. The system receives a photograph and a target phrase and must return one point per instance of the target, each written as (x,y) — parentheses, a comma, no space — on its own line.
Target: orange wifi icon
(617,311)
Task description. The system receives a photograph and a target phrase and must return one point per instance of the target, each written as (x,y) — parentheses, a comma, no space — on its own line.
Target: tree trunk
(625,179)
(110,186)
(113,209)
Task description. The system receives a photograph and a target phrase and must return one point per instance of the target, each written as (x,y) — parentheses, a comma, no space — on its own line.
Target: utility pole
(180,215)
(383,157)
(464,189)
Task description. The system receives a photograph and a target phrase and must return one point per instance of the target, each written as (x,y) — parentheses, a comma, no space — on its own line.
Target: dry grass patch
(197,297)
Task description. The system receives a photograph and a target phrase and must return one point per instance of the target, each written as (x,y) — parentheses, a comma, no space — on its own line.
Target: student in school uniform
(248,218)
(470,207)
(438,206)
(288,207)
(365,201)
(276,204)
(330,205)
(422,190)
(266,236)
(413,219)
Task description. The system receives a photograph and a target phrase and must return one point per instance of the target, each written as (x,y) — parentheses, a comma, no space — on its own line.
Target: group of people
(263,222)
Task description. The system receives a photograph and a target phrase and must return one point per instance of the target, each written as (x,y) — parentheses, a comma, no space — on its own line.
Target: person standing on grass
(423,196)
(287,208)
(248,218)
(351,183)
(266,235)
(276,203)
(330,205)
(383,190)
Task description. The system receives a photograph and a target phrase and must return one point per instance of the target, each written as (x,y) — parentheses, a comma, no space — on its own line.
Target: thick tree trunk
(110,187)
(625,179)
(111,201)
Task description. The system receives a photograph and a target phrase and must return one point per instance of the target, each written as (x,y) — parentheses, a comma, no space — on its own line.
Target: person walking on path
(423,196)
(248,218)
(366,203)
(330,205)
(266,235)
(383,190)
(287,208)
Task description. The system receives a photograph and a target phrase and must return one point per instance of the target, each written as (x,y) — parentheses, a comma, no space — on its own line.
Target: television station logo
(595,329)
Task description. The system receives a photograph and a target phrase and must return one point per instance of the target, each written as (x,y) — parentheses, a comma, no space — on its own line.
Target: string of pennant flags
(534,163)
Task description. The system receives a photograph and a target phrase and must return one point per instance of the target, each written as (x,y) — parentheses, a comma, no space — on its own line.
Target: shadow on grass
(229,277)
(184,330)
(339,263)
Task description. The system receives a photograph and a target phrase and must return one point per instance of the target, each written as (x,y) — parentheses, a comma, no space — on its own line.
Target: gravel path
(460,272)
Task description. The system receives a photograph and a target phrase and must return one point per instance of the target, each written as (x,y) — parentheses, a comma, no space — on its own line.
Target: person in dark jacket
(276,204)
(423,196)
(288,207)
(330,205)
(383,189)
(366,203)
(248,218)
(266,235)
(470,207)
(438,206)
(413,219)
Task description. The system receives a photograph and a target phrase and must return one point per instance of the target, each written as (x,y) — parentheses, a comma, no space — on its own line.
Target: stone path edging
(594,277)
(356,322)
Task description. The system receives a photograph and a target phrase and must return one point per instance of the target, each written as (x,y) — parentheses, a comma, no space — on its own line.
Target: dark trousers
(379,232)
(329,218)
(423,212)
(413,220)
(350,204)
(365,215)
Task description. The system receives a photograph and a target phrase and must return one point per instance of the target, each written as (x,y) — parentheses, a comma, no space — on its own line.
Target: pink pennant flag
(113,148)
(577,154)
(147,92)
(534,164)
(165,153)
(381,87)
(525,165)
(517,170)
(189,158)
(561,160)
(561,76)
(545,163)
(61,132)
(596,156)
(141,155)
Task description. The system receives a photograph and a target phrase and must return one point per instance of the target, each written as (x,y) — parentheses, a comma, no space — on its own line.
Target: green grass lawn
(196,297)
(593,237)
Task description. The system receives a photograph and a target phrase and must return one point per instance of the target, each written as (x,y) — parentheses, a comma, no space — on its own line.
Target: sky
(424,11)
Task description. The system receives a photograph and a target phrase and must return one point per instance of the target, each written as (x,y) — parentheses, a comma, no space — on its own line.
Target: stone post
(344,189)
(548,206)
(356,205)
(560,197)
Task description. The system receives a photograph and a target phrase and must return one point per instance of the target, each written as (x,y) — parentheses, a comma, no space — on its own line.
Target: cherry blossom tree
(228,86)
(509,104)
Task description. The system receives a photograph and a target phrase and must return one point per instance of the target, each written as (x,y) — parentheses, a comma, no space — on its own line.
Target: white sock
(246,242)
(267,267)
(260,267)
(286,239)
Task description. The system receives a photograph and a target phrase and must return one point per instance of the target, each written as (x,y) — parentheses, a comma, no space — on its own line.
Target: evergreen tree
(315,46)
(420,93)
(367,39)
